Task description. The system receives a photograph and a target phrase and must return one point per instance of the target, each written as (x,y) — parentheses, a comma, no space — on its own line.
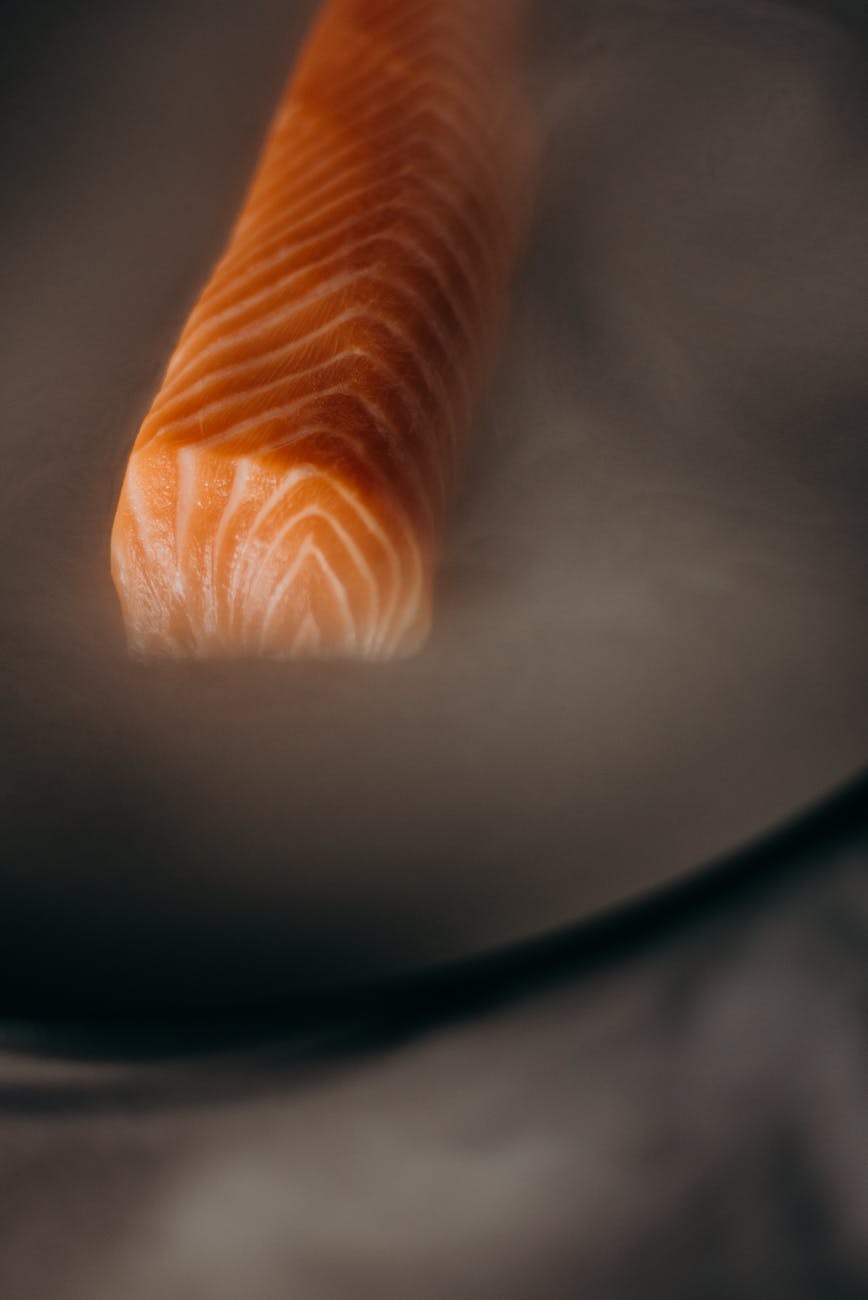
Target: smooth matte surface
(677,1112)
(653,634)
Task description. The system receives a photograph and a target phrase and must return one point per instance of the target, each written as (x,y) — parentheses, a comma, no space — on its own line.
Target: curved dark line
(210,1058)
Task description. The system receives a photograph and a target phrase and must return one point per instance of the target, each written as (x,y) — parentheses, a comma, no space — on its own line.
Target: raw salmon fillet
(286,492)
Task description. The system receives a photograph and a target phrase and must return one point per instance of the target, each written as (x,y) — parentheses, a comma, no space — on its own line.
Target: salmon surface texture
(286,492)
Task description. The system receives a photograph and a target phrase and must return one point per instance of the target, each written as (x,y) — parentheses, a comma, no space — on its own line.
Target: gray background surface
(652,637)
(673,460)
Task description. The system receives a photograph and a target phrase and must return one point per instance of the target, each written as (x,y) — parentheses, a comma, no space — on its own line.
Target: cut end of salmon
(287,491)
(226,556)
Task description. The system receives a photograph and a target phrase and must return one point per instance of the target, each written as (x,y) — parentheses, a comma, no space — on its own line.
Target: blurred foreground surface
(683,1114)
